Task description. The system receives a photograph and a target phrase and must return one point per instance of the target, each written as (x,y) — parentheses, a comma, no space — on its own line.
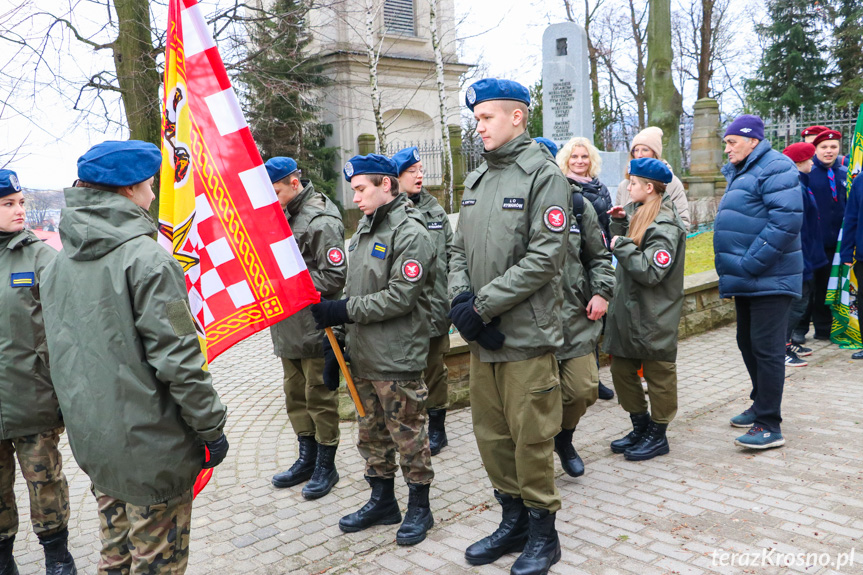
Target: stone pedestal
(566,106)
(706,183)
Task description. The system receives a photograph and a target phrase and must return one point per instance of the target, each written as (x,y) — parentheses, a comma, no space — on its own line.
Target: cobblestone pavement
(667,515)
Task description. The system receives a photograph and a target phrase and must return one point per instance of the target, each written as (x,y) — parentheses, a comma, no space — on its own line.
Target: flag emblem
(412,270)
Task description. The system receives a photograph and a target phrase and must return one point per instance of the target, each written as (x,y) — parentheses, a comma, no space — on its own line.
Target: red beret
(827,135)
(812,130)
(800,152)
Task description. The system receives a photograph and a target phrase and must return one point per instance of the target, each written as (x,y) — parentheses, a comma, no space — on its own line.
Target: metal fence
(784,129)
(432,153)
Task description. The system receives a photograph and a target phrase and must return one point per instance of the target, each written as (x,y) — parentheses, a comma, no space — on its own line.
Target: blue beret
(280,168)
(371,164)
(119,164)
(650,168)
(406,158)
(746,125)
(552,147)
(494,89)
(8,183)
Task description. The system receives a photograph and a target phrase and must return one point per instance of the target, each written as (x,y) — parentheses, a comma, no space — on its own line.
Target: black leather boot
(418,518)
(7,561)
(509,537)
(542,549)
(569,459)
(302,468)
(58,560)
(325,475)
(437,432)
(382,508)
(652,443)
(640,422)
(604,392)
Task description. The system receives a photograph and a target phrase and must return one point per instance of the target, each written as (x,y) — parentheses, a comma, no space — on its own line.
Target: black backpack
(598,205)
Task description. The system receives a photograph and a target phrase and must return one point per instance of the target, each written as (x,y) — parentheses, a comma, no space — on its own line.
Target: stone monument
(566,100)
(706,183)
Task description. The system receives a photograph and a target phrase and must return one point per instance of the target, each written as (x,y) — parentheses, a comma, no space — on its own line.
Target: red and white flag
(218,212)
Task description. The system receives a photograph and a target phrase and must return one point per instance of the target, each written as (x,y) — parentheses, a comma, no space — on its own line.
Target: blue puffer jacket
(810,234)
(757,228)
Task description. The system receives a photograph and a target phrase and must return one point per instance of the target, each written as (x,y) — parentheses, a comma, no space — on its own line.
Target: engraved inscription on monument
(561,98)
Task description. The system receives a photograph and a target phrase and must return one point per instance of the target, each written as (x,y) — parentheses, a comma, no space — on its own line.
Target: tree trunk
(441,91)
(373,53)
(664,103)
(705,55)
(594,75)
(137,75)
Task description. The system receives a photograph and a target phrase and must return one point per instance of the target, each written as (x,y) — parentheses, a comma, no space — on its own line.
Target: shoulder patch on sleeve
(662,258)
(412,270)
(555,219)
(180,318)
(336,257)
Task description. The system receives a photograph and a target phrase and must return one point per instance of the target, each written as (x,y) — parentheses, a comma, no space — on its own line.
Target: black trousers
(819,312)
(800,307)
(762,323)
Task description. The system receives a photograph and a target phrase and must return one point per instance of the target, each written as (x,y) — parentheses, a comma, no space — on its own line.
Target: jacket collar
(373,221)
(507,154)
(295,205)
(18,239)
(731,171)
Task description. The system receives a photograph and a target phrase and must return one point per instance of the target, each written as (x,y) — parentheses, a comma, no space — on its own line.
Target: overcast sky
(504,34)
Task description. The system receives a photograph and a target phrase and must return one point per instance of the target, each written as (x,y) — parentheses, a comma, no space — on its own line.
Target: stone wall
(703,310)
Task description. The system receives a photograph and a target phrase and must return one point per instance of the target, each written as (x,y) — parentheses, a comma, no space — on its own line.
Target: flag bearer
(410,169)
(128,370)
(390,259)
(30,421)
(311,398)
(505,281)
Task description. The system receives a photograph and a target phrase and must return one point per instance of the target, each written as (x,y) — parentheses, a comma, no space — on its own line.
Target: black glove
(460,298)
(331,365)
(490,337)
(330,312)
(465,319)
(218,450)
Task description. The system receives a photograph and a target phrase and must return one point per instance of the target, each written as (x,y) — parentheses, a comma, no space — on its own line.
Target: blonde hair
(592,153)
(646,213)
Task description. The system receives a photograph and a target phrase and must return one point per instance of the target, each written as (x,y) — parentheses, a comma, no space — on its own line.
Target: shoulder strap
(577,207)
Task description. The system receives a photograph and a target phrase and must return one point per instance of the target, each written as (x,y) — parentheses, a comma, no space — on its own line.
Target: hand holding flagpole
(344,367)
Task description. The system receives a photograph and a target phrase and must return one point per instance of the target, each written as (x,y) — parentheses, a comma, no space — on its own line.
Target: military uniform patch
(573,228)
(471,95)
(555,219)
(468,202)
(336,256)
(23,279)
(349,169)
(435,225)
(417,155)
(379,251)
(513,203)
(662,258)
(412,270)
(13,179)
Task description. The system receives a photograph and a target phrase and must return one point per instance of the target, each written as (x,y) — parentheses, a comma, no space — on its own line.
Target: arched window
(399,17)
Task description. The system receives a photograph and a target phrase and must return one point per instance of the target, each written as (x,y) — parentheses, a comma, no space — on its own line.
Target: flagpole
(350,381)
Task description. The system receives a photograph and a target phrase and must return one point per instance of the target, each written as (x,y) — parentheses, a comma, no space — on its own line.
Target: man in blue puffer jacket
(760,264)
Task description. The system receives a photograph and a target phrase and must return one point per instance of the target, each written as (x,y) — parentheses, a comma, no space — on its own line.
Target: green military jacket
(391,257)
(125,358)
(28,404)
(648,298)
(510,245)
(320,234)
(440,231)
(586,273)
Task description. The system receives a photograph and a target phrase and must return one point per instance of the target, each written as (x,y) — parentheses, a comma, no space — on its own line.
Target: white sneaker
(791,360)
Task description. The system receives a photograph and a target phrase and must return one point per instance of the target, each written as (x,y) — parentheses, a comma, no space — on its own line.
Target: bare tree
(441,91)
(40,204)
(702,35)
(589,17)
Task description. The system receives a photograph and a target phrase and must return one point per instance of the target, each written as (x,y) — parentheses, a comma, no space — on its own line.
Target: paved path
(668,515)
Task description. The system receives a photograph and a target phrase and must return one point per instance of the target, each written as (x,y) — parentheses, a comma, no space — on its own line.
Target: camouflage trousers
(395,419)
(42,468)
(144,539)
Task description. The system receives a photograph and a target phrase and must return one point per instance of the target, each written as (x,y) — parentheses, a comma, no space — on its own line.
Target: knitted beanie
(650,137)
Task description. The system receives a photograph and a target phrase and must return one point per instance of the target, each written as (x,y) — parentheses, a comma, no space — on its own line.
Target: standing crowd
(542,263)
